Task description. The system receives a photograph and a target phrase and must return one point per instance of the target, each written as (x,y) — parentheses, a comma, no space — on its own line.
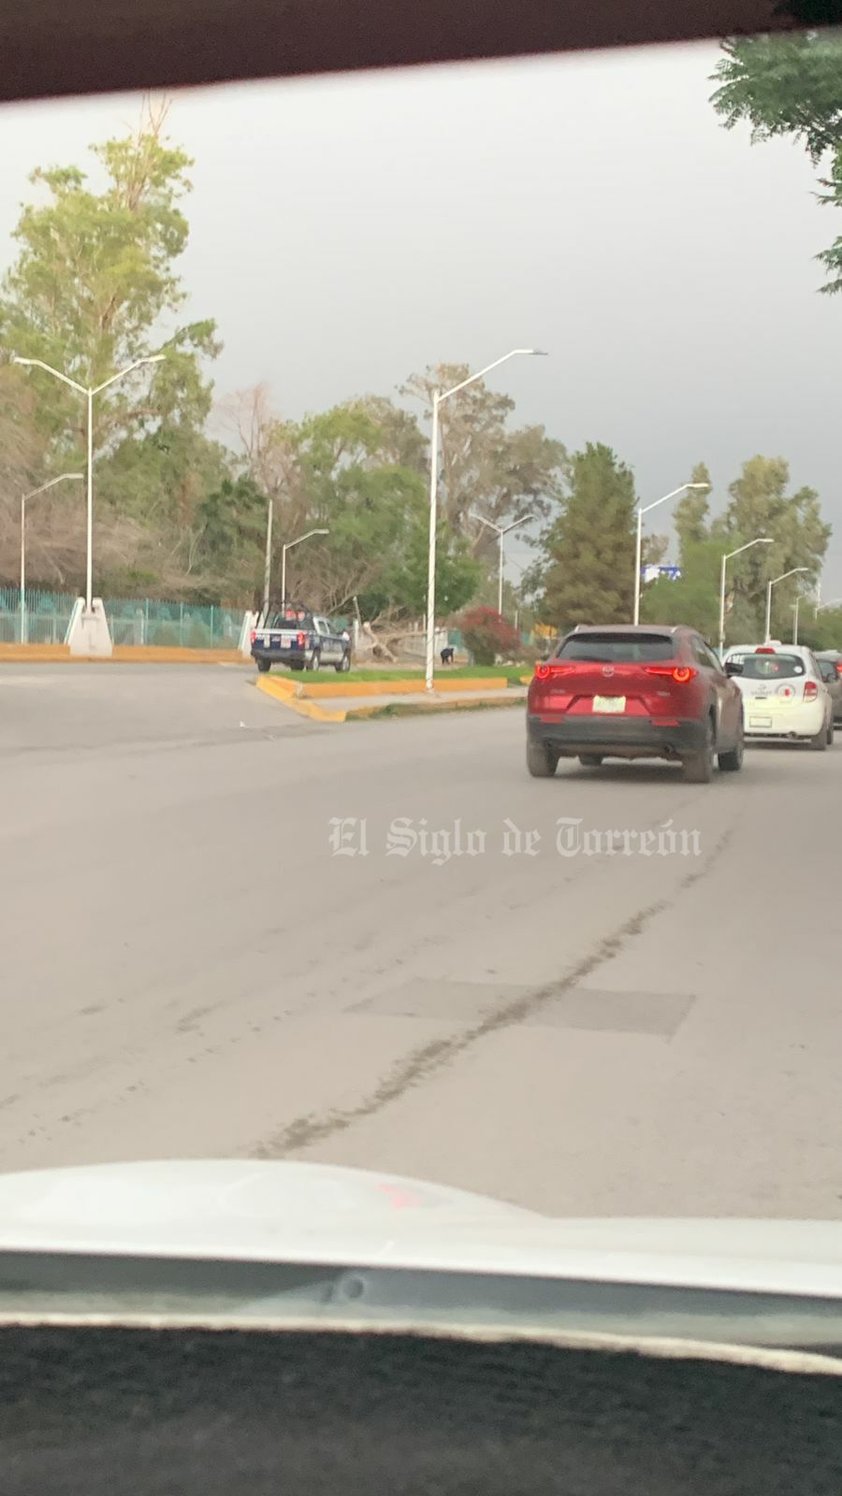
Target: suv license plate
(609,704)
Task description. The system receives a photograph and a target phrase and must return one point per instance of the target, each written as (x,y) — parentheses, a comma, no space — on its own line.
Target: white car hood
(318,1214)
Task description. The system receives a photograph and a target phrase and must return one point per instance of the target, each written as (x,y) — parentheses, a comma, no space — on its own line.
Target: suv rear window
(617,648)
(770,666)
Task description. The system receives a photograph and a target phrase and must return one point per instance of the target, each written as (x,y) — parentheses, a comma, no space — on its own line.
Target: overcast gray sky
(348,231)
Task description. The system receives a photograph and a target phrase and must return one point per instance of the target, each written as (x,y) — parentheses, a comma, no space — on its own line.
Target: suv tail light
(811,690)
(253,635)
(544,671)
(301,640)
(681,674)
(839,668)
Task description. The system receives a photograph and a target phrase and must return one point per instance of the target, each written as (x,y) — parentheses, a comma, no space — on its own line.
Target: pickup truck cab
(294,636)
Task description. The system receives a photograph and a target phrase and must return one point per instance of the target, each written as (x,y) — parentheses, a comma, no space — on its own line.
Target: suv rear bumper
(620,737)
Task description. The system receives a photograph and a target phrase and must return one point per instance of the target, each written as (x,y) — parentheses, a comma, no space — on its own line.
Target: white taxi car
(783,693)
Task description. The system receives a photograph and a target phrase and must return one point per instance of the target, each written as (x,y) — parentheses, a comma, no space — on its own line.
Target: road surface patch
(657,1013)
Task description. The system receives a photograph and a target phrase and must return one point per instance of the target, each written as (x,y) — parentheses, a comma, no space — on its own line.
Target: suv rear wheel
(264,665)
(733,759)
(541,760)
(698,767)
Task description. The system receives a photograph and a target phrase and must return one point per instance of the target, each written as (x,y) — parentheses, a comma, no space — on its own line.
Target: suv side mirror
(733,667)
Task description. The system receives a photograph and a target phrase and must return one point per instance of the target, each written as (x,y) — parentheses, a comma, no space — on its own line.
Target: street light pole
(501,531)
(430,620)
(89,391)
(638,549)
(760,540)
(24,500)
(793,571)
(438,397)
(288,547)
(267,565)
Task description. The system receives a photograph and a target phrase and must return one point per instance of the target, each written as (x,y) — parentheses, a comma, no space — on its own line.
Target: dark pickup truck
(300,639)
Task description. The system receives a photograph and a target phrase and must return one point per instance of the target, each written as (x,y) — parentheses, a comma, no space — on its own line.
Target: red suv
(626,691)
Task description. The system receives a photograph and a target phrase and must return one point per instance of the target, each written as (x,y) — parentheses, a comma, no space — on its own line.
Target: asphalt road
(215,942)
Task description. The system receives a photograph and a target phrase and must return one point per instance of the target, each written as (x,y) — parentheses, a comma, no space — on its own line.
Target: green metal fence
(145,621)
(132,621)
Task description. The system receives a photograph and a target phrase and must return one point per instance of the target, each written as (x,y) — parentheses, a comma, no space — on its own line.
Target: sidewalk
(431,701)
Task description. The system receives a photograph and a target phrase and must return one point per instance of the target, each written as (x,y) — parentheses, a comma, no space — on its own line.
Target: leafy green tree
(760,504)
(693,598)
(96,286)
(783,85)
(589,574)
(691,515)
(336,470)
(486,465)
(821,630)
(790,85)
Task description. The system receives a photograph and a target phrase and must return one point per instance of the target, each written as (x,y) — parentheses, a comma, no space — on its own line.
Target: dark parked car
(830,665)
(628,691)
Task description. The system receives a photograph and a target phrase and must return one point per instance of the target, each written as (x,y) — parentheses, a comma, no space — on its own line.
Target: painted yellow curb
(413,687)
(285,691)
(166,654)
(52,654)
(123,654)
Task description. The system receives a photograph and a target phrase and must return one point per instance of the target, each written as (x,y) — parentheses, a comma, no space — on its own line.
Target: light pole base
(249,621)
(89,633)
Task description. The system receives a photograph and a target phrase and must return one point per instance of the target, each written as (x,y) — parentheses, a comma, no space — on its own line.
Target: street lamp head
(321,532)
(697,485)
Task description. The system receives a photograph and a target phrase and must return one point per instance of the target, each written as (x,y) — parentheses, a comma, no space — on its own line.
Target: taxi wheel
(314,661)
(820,741)
(830,733)
(818,744)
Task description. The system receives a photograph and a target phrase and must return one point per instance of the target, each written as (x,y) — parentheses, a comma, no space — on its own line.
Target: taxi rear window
(614,648)
(770,666)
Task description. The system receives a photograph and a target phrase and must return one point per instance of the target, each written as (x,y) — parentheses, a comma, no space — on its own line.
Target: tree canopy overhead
(790,86)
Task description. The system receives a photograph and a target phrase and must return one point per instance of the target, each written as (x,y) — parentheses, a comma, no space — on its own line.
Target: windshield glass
(428,371)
